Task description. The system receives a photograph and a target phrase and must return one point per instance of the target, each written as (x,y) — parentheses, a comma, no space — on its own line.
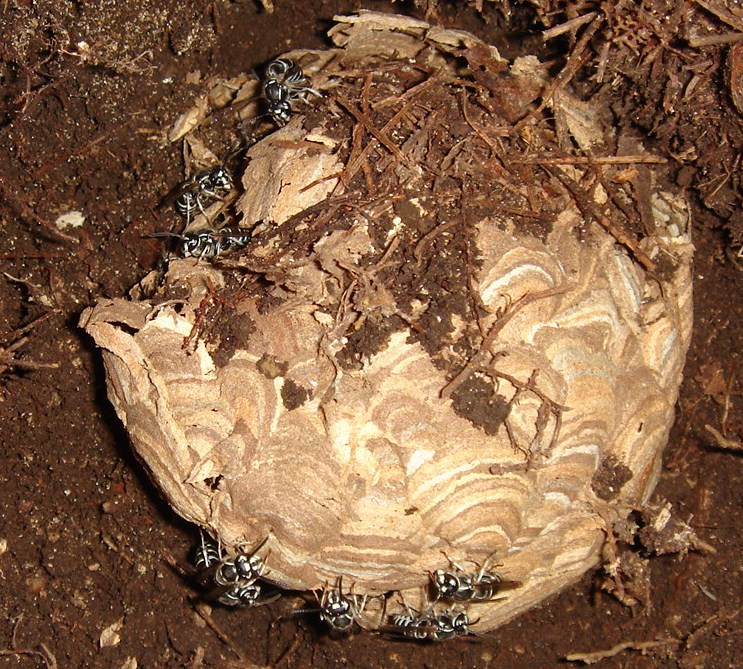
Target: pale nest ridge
(369,466)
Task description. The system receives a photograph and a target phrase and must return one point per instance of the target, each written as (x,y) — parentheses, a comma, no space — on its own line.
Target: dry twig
(724,442)
(373,130)
(589,160)
(709,624)
(205,613)
(575,61)
(287,654)
(552,408)
(716,40)
(568,26)
(642,646)
(30,217)
(480,358)
(45,654)
(20,338)
(725,15)
(589,210)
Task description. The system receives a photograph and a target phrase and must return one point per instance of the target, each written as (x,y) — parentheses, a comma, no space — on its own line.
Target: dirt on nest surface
(88,91)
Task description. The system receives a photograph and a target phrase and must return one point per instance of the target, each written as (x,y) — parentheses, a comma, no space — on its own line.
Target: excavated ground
(88,91)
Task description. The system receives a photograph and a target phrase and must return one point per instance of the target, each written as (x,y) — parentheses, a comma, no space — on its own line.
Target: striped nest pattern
(375,470)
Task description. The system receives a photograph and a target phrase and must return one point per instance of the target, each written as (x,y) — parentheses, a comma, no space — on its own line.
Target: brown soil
(88,89)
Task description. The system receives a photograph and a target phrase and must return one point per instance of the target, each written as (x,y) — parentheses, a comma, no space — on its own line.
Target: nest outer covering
(371,474)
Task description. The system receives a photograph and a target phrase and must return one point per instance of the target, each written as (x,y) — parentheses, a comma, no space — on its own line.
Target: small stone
(72,219)
(110,636)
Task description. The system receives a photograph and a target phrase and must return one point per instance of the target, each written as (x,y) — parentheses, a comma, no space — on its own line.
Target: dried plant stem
(721,13)
(724,442)
(49,660)
(589,160)
(716,40)
(426,240)
(20,338)
(588,209)
(373,130)
(30,217)
(204,612)
(568,26)
(480,357)
(553,407)
(575,61)
(642,646)
(46,656)
(528,386)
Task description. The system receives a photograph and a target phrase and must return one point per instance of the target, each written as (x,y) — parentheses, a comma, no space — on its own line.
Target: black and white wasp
(239,569)
(233,580)
(283,83)
(228,570)
(208,244)
(338,610)
(206,555)
(245,595)
(212,184)
(458,585)
(430,626)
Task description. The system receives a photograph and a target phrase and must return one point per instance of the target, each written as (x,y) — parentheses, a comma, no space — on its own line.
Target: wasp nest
(453,335)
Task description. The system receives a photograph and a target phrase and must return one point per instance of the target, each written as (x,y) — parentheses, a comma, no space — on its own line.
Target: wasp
(208,244)
(247,595)
(283,83)
(238,569)
(430,626)
(230,570)
(233,580)
(206,554)
(195,193)
(458,585)
(338,610)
